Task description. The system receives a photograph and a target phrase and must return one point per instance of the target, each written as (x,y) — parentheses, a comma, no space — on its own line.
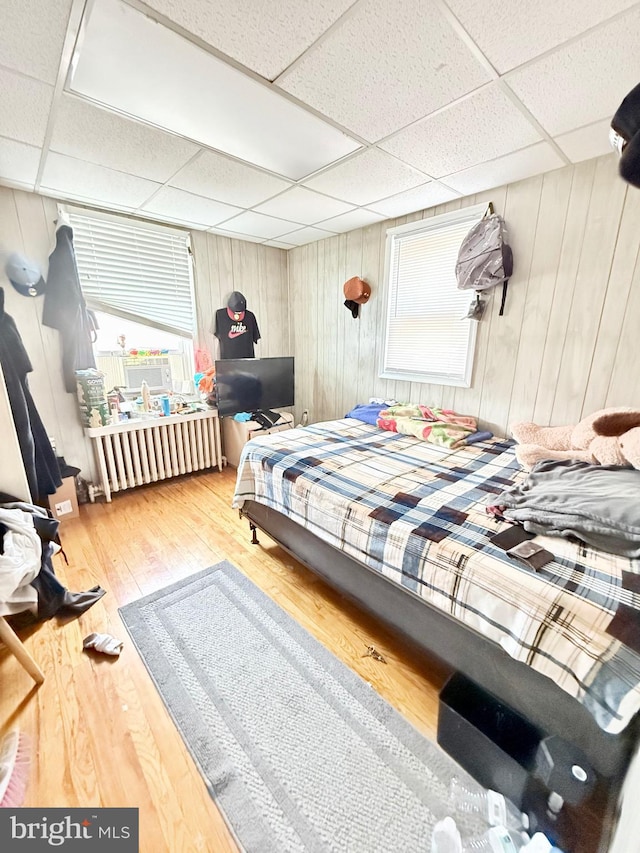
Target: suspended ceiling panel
(586,142)
(505,170)
(77,179)
(265,36)
(89,133)
(31,36)
(246,238)
(358,218)
(389,63)
(259,225)
(186,207)
(304,206)
(510,32)
(306,235)
(24,107)
(278,244)
(227,180)
(419,198)
(131,63)
(584,81)
(367,177)
(18,162)
(479,128)
(265,120)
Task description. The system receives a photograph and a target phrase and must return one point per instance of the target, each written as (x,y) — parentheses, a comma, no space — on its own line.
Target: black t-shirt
(236,337)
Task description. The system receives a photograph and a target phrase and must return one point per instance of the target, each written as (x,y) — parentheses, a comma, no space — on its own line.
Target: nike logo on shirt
(237,329)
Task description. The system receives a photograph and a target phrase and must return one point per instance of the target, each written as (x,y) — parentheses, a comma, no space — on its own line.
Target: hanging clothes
(40,464)
(236,328)
(65,308)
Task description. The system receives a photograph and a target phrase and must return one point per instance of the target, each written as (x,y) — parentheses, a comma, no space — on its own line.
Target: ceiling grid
(291,120)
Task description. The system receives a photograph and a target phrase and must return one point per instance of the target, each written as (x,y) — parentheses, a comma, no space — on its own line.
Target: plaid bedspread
(416,513)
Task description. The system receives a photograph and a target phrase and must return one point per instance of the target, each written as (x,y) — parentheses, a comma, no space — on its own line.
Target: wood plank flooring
(99,732)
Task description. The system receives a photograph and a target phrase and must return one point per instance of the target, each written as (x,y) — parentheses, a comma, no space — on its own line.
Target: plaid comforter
(416,513)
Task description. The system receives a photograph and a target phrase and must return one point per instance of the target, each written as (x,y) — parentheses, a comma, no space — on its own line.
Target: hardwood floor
(99,732)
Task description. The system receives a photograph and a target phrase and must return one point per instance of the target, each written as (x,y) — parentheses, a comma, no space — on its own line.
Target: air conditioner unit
(155,371)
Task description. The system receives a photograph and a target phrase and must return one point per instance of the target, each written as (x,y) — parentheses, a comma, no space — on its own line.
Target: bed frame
(531,694)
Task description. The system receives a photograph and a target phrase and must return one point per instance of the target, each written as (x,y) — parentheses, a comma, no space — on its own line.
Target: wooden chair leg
(14,644)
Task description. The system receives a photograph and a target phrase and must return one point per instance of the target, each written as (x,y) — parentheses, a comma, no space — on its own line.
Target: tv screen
(251,384)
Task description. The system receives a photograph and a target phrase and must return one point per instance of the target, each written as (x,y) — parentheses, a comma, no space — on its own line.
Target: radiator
(132,453)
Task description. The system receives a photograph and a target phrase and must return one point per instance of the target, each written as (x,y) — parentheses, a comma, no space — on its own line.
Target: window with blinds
(136,271)
(426,338)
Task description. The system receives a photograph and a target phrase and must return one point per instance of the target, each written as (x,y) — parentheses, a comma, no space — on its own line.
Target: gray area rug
(299,752)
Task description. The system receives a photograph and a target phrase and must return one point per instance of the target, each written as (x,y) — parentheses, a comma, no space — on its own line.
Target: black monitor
(251,384)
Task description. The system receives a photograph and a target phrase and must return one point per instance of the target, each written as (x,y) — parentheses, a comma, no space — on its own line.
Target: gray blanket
(599,504)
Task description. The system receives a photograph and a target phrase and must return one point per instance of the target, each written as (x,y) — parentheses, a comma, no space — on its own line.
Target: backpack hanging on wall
(485,258)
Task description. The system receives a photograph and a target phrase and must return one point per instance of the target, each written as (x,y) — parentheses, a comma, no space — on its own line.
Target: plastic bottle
(145,393)
(540,844)
(497,839)
(494,808)
(554,805)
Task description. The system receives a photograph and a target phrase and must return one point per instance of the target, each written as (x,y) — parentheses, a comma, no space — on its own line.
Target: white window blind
(136,271)
(426,340)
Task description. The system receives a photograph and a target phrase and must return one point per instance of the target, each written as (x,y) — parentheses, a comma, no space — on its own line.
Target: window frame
(66,210)
(471,214)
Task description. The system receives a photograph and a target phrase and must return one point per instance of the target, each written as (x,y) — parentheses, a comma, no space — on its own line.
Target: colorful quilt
(416,513)
(437,426)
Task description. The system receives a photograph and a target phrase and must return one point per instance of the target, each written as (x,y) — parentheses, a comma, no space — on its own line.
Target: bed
(402,526)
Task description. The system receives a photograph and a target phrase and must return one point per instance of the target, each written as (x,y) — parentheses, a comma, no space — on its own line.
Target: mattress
(417,513)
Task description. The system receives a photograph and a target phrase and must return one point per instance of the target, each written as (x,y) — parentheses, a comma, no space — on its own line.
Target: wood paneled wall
(27,225)
(221,265)
(567,345)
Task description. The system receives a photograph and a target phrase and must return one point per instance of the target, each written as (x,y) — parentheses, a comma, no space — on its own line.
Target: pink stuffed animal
(607,437)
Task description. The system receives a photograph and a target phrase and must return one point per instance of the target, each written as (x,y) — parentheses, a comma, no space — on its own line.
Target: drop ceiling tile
(506,170)
(89,133)
(32,35)
(387,64)
(278,244)
(88,182)
(232,235)
(218,177)
(584,81)
(307,235)
(259,225)
(349,221)
(24,107)
(129,62)
(510,32)
(481,127)
(419,198)
(18,162)
(586,142)
(366,177)
(265,36)
(194,209)
(304,206)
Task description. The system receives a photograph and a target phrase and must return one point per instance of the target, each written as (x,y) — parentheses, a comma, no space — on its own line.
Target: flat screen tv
(251,384)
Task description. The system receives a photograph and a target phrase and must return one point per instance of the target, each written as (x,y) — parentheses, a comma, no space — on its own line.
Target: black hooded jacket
(40,464)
